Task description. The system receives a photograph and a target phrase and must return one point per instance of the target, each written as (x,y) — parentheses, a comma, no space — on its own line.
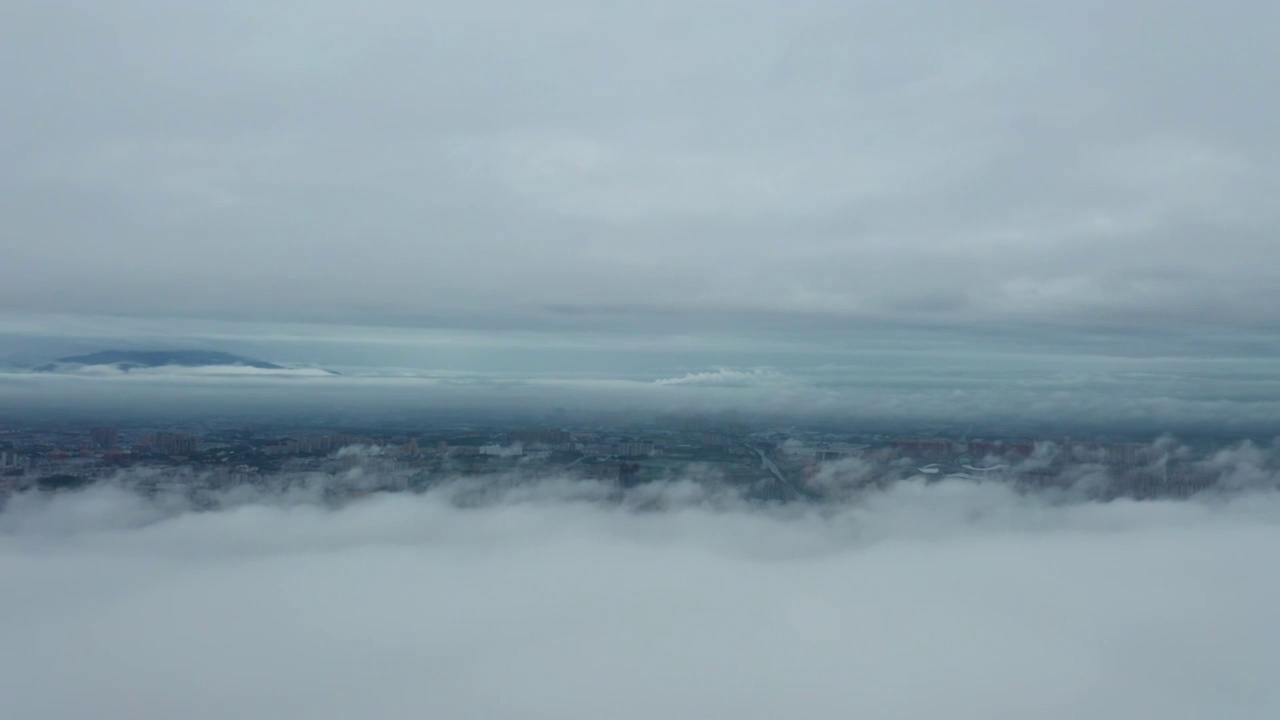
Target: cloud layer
(1019,397)
(952,599)
(993,161)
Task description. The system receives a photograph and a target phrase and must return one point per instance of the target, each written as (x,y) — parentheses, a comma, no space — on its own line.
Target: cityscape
(779,464)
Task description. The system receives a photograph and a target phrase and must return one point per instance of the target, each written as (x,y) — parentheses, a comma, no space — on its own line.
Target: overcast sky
(983,161)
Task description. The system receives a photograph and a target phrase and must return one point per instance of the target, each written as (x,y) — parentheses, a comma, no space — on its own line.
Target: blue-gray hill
(129,359)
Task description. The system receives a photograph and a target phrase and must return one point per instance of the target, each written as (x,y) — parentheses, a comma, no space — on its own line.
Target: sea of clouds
(565,599)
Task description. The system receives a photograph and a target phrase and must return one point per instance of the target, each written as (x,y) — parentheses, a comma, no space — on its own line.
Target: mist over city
(639,359)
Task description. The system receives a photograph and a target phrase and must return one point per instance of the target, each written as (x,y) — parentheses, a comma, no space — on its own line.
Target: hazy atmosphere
(612,359)
(988,205)
(924,602)
(976,161)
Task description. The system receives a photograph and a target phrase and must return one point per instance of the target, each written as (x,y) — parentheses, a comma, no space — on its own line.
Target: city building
(169,443)
(104,437)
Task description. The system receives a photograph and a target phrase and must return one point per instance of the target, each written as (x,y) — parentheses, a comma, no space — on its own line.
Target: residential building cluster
(785,463)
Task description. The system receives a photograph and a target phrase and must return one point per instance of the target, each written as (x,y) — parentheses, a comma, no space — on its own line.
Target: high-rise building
(634,449)
(10,461)
(104,437)
(170,443)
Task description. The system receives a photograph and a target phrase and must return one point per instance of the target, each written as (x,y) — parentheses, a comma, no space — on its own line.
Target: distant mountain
(131,359)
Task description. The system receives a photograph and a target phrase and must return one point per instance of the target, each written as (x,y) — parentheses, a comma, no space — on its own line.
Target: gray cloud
(989,161)
(909,603)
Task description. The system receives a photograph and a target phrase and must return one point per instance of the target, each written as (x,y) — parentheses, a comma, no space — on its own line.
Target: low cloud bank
(1164,468)
(727,377)
(568,599)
